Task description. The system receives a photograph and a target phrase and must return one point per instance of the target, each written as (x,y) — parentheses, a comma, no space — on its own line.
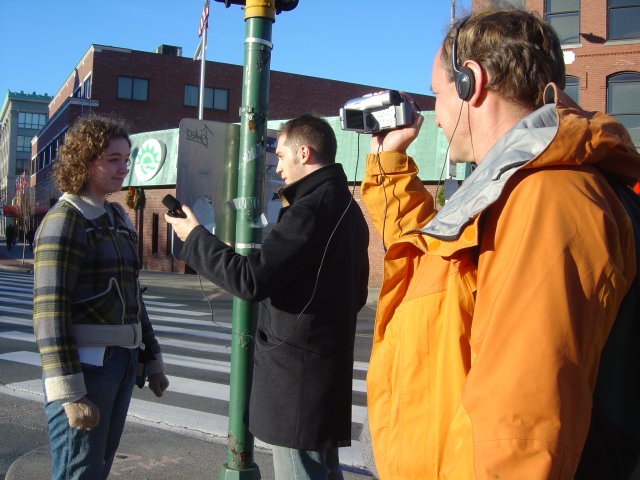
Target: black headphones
(463,76)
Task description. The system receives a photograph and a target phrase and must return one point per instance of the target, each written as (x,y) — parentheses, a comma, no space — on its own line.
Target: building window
(214,98)
(133,88)
(86,87)
(23,143)
(564,17)
(572,89)
(22,166)
(169,241)
(31,120)
(623,102)
(154,233)
(624,19)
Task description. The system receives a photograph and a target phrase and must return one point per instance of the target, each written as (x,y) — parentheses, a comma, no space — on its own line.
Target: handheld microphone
(174,207)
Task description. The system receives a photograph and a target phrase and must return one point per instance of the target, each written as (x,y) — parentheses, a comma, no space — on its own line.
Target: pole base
(227,473)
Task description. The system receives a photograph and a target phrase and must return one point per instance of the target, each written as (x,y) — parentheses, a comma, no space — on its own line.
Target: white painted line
(16,294)
(359,385)
(187,386)
(13,300)
(197,363)
(184,321)
(162,304)
(15,279)
(24,311)
(193,332)
(29,358)
(21,336)
(177,312)
(200,346)
(16,321)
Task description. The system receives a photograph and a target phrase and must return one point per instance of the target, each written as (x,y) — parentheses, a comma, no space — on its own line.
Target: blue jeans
(292,464)
(81,454)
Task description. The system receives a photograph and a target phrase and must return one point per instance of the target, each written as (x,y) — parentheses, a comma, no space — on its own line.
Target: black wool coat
(310,277)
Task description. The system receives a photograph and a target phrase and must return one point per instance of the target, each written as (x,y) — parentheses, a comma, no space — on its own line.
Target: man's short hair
(520,52)
(313,132)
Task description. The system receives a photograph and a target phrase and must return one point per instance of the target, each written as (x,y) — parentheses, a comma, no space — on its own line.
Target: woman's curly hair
(85,141)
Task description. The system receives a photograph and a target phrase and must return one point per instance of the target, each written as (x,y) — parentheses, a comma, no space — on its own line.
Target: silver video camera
(375,112)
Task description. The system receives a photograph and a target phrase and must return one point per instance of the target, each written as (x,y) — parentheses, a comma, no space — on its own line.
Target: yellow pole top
(260,8)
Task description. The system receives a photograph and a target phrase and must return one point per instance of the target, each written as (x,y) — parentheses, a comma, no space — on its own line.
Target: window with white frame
(564,17)
(86,87)
(623,101)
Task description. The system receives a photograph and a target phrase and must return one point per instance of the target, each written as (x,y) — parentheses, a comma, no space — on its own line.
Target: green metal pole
(259,18)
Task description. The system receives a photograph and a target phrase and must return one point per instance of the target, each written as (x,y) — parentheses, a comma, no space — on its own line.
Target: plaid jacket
(86,290)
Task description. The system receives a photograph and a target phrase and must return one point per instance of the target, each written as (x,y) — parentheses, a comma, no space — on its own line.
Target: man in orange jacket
(494,311)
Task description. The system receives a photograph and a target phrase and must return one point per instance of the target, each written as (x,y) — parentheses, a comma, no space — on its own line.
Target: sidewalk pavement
(148,452)
(19,258)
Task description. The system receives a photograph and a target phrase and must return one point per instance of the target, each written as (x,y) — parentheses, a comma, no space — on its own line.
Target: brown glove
(82,414)
(158,383)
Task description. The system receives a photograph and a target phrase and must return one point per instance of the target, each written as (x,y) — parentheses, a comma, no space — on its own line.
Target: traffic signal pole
(259,18)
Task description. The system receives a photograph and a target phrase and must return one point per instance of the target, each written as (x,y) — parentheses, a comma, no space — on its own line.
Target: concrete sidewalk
(19,258)
(155,454)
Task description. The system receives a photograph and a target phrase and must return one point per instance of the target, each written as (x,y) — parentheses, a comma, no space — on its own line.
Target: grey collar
(86,205)
(522,143)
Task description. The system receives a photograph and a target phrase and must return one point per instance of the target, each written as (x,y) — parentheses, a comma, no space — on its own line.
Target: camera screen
(354,119)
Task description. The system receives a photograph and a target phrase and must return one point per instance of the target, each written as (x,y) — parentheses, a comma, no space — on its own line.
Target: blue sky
(389,44)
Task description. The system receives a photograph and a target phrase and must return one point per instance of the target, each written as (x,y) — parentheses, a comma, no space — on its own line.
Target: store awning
(11,211)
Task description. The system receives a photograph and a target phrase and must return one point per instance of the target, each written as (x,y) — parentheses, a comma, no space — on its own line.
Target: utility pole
(259,18)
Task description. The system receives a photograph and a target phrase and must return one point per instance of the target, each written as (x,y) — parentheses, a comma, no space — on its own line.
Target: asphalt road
(181,435)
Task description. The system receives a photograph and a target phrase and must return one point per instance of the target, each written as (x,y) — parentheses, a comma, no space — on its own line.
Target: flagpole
(202,66)
(204,26)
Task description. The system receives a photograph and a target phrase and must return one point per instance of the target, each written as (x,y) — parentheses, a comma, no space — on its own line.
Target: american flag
(204,18)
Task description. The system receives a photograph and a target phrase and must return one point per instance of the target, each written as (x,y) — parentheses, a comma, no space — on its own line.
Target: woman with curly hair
(90,322)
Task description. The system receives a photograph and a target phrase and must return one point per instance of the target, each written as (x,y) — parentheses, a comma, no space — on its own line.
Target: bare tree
(23,202)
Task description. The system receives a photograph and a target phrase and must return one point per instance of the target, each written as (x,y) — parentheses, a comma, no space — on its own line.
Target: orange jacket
(489,327)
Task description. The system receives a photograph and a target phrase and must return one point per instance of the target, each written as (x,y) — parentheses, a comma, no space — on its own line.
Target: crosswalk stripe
(186,321)
(24,281)
(164,342)
(191,345)
(16,321)
(13,300)
(176,312)
(191,331)
(15,294)
(189,386)
(148,301)
(24,311)
(21,336)
(210,365)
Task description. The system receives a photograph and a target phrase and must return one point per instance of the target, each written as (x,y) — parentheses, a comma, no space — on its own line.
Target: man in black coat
(310,276)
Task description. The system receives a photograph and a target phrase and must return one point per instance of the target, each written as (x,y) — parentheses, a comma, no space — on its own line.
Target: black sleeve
(284,255)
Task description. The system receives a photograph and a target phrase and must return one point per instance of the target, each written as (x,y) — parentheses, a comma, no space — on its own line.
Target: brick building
(154,92)
(601,43)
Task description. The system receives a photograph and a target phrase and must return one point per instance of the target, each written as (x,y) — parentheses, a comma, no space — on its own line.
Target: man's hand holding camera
(398,139)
